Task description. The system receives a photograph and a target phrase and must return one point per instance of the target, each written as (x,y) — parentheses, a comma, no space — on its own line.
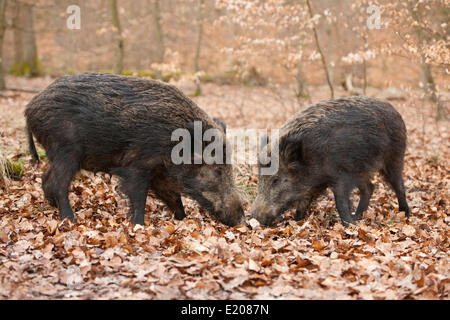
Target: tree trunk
(365,67)
(2,33)
(324,63)
(17,30)
(201,4)
(364,76)
(118,39)
(301,87)
(26,55)
(16,25)
(30,49)
(160,49)
(429,85)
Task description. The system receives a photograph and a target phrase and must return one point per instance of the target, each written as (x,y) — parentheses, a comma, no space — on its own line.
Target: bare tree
(26,55)
(160,49)
(17,29)
(322,56)
(2,33)
(301,89)
(201,5)
(364,66)
(427,76)
(200,17)
(118,38)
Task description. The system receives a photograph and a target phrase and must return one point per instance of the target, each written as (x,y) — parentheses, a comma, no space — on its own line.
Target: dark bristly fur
(123,125)
(338,144)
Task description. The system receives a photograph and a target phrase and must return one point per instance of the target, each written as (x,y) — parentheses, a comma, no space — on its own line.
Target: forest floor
(104,256)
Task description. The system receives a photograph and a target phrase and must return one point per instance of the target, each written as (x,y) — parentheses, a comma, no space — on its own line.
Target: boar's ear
(291,150)
(221,123)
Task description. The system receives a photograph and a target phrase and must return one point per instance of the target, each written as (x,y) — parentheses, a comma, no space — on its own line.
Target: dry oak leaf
(253,266)
(408,230)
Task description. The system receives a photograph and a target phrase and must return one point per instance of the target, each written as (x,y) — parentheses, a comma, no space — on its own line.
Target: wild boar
(123,126)
(337,144)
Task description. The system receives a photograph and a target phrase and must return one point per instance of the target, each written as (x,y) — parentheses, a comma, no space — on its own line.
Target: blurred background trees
(2,33)
(118,38)
(26,61)
(298,43)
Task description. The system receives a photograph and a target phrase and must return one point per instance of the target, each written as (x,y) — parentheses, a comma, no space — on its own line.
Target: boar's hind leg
(341,192)
(134,184)
(173,201)
(46,186)
(393,175)
(57,182)
(365,190)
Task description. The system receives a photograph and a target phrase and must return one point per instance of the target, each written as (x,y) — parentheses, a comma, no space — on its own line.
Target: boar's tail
(32,147)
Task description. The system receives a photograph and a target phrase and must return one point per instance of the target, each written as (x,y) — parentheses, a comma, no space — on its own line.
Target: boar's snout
(263,212)
(232,213)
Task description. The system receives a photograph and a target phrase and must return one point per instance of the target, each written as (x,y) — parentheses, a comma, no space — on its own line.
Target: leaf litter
(104,256)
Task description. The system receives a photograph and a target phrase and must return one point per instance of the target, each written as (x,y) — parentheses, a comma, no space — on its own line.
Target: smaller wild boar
(123,126)
(338,144)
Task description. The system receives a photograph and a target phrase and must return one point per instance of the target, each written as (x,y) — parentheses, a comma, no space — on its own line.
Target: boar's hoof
(404,208)
(347,222)
(71,218)
(137,219)
(51,202)
(241,222)
(180,214)
(299,215)
(358,216)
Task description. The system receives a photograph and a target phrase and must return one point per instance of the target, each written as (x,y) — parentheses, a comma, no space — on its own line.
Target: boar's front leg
(365,190)
(341,192)
(163,187)
(134,184)
(303,206)
(173,201)
(302,209)
(138,197)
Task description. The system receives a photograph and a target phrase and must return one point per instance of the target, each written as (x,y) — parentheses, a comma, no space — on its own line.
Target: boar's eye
(218,172)
(275,181)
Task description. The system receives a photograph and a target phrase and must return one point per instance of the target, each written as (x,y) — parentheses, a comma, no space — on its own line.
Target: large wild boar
(123,126)
(338,144)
